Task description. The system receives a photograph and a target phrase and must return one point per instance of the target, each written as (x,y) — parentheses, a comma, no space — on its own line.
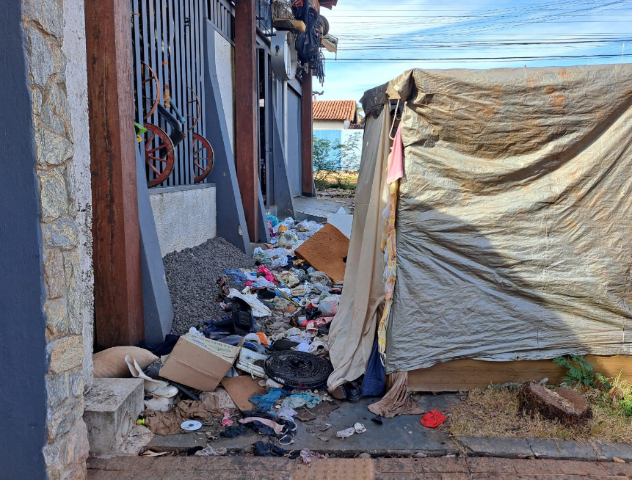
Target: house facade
(337,122)
(94,201)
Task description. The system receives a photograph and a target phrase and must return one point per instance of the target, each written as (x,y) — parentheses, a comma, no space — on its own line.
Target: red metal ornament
(158,148)
(203,158)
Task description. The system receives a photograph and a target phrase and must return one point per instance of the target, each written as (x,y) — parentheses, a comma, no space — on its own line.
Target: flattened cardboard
(241,389)
(326,251)
(199,362)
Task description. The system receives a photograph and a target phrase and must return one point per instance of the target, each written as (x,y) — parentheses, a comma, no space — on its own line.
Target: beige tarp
(514,220)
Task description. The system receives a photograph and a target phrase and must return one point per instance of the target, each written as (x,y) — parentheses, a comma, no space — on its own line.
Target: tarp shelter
(513,221)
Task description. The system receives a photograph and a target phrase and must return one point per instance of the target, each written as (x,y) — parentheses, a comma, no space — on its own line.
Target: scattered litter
(240,389)
(258,308)
(307,456)
(299,400)
(157,388)
(346,433)
(270,450)
(159,404)
(211,452)
(433,419)
(359,428)
(227,421)
(191,425)
(151,453)
(265,402)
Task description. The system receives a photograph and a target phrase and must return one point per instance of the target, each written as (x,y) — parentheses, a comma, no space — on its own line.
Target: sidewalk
(250,468)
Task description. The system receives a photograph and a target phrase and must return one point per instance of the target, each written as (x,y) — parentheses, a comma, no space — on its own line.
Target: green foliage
(579,372)
(626,406)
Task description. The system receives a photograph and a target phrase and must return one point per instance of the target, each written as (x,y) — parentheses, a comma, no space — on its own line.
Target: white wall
(225,75)
(74,48)
(329,125)
(185,216)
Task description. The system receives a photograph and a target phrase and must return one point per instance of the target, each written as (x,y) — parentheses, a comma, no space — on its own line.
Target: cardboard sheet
(241,389)
(326,251)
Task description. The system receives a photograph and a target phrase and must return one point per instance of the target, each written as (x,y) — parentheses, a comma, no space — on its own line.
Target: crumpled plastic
(288,239)
(329,306)
(211,452)
(307,456)
(258,309)
(299,400)
(288,278)
(274,258)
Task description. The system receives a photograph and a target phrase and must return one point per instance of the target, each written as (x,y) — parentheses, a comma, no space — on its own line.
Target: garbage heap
(266,361)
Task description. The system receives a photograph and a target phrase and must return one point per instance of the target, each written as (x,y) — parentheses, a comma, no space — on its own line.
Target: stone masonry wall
(64,276)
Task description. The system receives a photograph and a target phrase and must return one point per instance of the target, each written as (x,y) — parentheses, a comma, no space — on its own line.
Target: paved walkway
(250,468)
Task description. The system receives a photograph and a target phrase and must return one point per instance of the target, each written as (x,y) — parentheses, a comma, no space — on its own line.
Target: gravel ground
(192,275)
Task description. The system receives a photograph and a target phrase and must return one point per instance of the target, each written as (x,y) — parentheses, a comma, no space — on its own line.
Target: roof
(344,110)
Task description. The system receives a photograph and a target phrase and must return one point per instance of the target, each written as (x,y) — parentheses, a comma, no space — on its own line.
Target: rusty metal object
(203,158)
(196,117)
(153,78)
(158,148)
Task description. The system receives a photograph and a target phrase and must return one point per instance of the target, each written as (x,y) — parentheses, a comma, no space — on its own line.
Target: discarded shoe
(158,388)
(352,391)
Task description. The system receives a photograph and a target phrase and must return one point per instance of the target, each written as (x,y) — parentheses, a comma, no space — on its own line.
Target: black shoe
(352,391)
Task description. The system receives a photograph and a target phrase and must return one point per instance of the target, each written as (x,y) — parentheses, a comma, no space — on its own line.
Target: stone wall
(63,231)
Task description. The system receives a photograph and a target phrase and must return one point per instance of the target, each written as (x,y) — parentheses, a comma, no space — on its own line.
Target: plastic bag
(329,306)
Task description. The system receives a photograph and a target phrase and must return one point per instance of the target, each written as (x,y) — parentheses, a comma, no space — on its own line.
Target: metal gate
(168,36)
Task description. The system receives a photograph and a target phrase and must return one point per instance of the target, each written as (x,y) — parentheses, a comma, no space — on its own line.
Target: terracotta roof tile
(335,110)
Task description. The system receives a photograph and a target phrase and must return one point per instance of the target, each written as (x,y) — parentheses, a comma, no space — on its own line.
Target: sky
(379,40)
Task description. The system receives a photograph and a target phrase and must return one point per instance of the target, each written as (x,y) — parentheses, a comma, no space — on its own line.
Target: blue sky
(434,34)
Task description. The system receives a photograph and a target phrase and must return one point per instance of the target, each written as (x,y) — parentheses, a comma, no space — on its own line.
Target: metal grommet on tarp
(298,369)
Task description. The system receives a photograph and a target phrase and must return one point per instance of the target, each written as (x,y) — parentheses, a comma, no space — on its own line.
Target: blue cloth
(299,400)
(374,383)
(267,401)
(237,275)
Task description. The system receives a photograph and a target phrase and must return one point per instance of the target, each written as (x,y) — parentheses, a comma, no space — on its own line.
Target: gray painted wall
(157,307)
(231,222)
(22,293)
(294,153)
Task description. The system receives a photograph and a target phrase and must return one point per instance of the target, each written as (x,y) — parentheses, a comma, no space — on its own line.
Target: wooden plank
(460,375)
(246,151)
(118,296)
(307,137)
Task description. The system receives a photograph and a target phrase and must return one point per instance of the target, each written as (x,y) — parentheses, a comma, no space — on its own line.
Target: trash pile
(265,361)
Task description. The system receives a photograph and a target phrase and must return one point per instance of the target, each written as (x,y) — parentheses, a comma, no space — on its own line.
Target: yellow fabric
(389,246)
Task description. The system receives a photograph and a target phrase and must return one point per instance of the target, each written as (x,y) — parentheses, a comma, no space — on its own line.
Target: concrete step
(111,408)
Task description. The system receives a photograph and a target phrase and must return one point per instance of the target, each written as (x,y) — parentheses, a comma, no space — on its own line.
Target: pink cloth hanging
(396,161)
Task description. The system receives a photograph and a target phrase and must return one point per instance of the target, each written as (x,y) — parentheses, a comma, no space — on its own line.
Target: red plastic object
(433,419)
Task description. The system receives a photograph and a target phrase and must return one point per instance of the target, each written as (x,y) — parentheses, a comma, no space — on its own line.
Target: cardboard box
(199,362)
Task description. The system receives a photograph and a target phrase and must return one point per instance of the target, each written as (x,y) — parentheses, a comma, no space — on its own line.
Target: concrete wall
(224,60)
(185,216)
(74,47)
(329,125)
